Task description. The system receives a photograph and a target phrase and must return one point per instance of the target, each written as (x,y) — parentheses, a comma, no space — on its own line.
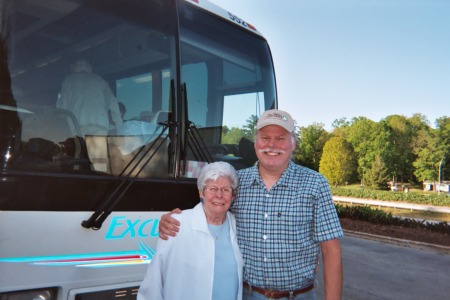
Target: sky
(349,58)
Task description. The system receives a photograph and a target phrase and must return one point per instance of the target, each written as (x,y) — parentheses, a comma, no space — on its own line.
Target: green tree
(443,134)
(430,146)
(250,127)
(427,161)
(421,138)
(377,176)
(232,136)
(361,134)
(402,156)
(338,161)
(340,123)
(310,146)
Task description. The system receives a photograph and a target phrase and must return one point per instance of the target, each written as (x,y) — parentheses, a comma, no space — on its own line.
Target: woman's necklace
(216,236)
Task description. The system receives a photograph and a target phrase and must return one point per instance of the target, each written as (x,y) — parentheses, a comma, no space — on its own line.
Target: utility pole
(440,172)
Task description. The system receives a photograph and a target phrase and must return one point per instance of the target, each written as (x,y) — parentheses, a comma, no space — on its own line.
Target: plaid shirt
(279,231)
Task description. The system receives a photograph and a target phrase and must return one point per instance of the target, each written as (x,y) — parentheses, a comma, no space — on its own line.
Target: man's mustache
(277,151)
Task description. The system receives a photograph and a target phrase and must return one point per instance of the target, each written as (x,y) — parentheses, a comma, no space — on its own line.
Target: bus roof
(217,10)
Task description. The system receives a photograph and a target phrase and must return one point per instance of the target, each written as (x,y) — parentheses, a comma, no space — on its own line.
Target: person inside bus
(123,111)
(285,218)
(89,97)
(204,261)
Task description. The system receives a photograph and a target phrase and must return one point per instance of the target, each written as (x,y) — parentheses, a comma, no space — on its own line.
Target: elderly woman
(204,261)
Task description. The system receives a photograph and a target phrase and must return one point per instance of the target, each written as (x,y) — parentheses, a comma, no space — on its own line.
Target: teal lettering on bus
(121,227)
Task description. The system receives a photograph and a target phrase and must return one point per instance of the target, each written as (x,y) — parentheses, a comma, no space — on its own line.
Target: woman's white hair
(215,171)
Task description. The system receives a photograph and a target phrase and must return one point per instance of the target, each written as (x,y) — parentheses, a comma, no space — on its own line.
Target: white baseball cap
(276,117)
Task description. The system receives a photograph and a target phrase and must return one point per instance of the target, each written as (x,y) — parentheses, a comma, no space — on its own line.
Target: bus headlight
(41,294)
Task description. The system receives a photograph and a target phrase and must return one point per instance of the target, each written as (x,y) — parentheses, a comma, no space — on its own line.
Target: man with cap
(285,217)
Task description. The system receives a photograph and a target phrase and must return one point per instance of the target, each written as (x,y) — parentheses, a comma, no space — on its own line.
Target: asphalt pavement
(392,269)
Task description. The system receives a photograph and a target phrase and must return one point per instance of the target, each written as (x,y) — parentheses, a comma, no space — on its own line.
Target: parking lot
(379,270)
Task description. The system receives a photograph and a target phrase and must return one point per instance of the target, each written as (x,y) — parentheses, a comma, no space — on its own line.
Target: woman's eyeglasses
(212,190)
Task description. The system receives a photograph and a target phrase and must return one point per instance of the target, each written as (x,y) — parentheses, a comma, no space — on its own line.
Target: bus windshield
(115,106)
(67,127)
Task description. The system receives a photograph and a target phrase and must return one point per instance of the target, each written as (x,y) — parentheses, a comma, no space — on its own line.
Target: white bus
(79,209)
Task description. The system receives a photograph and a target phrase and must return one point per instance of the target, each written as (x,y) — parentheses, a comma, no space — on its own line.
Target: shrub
(430,199)
(377,216)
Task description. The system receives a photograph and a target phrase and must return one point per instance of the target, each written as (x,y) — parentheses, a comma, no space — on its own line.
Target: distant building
(435,186)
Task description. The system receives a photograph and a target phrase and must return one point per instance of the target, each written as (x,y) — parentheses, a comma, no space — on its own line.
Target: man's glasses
(212,190)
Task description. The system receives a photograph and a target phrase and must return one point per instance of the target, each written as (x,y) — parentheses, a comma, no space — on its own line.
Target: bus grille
(122,293)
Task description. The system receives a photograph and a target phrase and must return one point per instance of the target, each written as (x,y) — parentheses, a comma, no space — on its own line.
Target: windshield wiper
(197,145)
(99,216)
(192,138)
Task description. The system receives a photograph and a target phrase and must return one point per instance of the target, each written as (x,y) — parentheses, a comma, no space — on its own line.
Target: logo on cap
(277,115)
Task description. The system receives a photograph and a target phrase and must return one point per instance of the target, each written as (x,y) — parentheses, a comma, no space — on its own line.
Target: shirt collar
(254,177)
(251,176)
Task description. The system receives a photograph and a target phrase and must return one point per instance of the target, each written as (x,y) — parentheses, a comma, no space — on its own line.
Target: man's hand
(169,226)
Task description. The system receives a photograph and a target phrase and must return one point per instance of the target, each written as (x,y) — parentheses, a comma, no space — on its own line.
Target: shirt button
(267,195)
(266,215)
(265,237)
(265,259)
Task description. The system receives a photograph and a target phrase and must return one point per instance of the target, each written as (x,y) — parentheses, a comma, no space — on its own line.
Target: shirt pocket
(295,222)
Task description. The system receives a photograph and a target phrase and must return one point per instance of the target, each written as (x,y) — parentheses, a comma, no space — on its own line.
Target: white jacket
(89,98)
(186,262)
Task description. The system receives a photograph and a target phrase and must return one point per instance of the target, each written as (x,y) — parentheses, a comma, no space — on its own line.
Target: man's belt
(278,294)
